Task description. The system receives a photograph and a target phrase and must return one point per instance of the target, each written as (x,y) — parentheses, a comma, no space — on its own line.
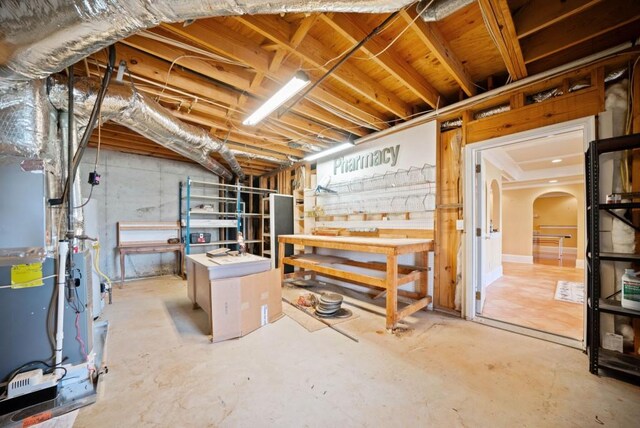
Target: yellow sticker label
(23,276)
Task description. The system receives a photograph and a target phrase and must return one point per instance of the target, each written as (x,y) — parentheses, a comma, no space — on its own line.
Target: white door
(479,232)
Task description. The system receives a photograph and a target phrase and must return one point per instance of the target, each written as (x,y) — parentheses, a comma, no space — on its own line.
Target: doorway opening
(527,252)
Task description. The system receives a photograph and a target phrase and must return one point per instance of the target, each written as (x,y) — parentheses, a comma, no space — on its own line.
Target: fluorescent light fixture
(297,82)
(332,150)
(556,161)
(553,181)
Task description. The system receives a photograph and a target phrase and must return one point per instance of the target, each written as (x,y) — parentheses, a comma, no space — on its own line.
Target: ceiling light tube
(332,150)
(553,181)
(293,86)
(556,161)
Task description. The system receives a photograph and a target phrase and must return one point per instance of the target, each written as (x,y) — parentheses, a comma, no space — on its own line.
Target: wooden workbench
(148,238)
(395,275)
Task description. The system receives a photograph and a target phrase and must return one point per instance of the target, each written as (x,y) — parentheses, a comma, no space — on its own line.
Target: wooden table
(150,249)
(395,275)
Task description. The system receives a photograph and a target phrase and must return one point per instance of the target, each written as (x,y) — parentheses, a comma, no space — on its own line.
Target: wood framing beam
(316,54)
(589,47)
(587,102)
(236,76)
(430,35)
(152,68)
(500,25)
(597,20)
(244,80)
(351,28)
(221,130)
(227,42)
(539,14)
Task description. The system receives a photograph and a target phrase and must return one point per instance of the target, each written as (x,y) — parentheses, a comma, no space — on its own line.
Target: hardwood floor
(524,296)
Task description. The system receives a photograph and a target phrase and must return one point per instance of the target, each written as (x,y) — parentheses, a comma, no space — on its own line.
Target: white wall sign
(408,148)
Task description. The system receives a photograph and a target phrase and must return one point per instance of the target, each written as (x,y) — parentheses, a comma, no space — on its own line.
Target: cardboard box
(243,304)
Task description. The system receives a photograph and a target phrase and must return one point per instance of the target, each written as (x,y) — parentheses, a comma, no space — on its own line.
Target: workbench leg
(422,286)
(281,247)
(392,291)
(314,250)
(122,269)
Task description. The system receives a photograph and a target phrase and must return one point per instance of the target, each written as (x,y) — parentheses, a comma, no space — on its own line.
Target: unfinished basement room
(303,213)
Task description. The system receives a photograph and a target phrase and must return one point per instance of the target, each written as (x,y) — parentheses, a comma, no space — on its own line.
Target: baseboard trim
(516,258)
(494,275)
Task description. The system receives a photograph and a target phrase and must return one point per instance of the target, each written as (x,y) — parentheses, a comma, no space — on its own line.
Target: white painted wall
(135,188)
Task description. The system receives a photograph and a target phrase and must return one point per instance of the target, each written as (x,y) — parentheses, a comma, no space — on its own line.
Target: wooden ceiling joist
(316,55)
(150,67)
(500,24)
(536,15)
(227,42)
(588,24)
(226,67)
(430,35)
(349,27)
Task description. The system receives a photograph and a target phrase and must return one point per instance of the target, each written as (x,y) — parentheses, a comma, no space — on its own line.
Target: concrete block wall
(136,188)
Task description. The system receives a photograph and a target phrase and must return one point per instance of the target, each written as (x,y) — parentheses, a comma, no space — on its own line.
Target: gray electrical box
(28,321)
(22,211)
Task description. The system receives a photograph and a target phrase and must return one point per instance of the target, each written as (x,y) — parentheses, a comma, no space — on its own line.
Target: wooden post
(423,284)
(281,247)
(392,291)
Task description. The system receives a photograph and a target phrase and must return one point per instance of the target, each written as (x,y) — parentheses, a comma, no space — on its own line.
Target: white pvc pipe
(63,251)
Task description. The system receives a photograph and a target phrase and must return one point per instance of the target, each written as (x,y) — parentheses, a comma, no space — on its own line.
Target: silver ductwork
(124,105)
(266,158)
(45,36)
(451,124)
(437,10)
(25,123)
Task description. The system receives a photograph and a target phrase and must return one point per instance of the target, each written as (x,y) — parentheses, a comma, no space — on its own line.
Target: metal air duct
(440,9)
(266,158)
(124,105)
(45,36)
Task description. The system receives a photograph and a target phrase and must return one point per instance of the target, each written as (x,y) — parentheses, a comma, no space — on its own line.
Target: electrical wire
(96,266)
(399,35)
(88,198)
(51,368)
(83,348)
(27,283)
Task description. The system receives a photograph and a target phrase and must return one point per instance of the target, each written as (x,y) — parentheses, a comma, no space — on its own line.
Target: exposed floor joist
(500,24)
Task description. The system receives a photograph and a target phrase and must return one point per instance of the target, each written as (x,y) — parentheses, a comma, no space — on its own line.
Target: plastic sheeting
(46,36)
(124,105)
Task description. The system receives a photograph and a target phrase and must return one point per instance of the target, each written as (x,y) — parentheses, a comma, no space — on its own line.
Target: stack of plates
(329,306)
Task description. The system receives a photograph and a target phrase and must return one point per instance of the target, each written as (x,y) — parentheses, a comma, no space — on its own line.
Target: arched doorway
(555,229)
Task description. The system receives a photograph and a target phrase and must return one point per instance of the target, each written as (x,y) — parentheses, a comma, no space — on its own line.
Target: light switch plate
(459,224)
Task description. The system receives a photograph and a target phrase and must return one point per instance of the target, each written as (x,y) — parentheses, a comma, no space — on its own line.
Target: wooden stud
(351,28)
(316,54)
(392,291)
(536,15)
(500,25)
(590,23)
(431,36)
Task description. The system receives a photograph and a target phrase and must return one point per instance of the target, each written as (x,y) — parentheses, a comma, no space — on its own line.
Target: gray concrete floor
(441,372)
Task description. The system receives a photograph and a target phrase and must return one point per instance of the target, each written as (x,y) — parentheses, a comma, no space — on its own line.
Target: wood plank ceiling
(214,72)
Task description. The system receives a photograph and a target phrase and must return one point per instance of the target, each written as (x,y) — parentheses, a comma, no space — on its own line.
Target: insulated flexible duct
(136,111)
(440,9)
(267,158)
(43,37)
